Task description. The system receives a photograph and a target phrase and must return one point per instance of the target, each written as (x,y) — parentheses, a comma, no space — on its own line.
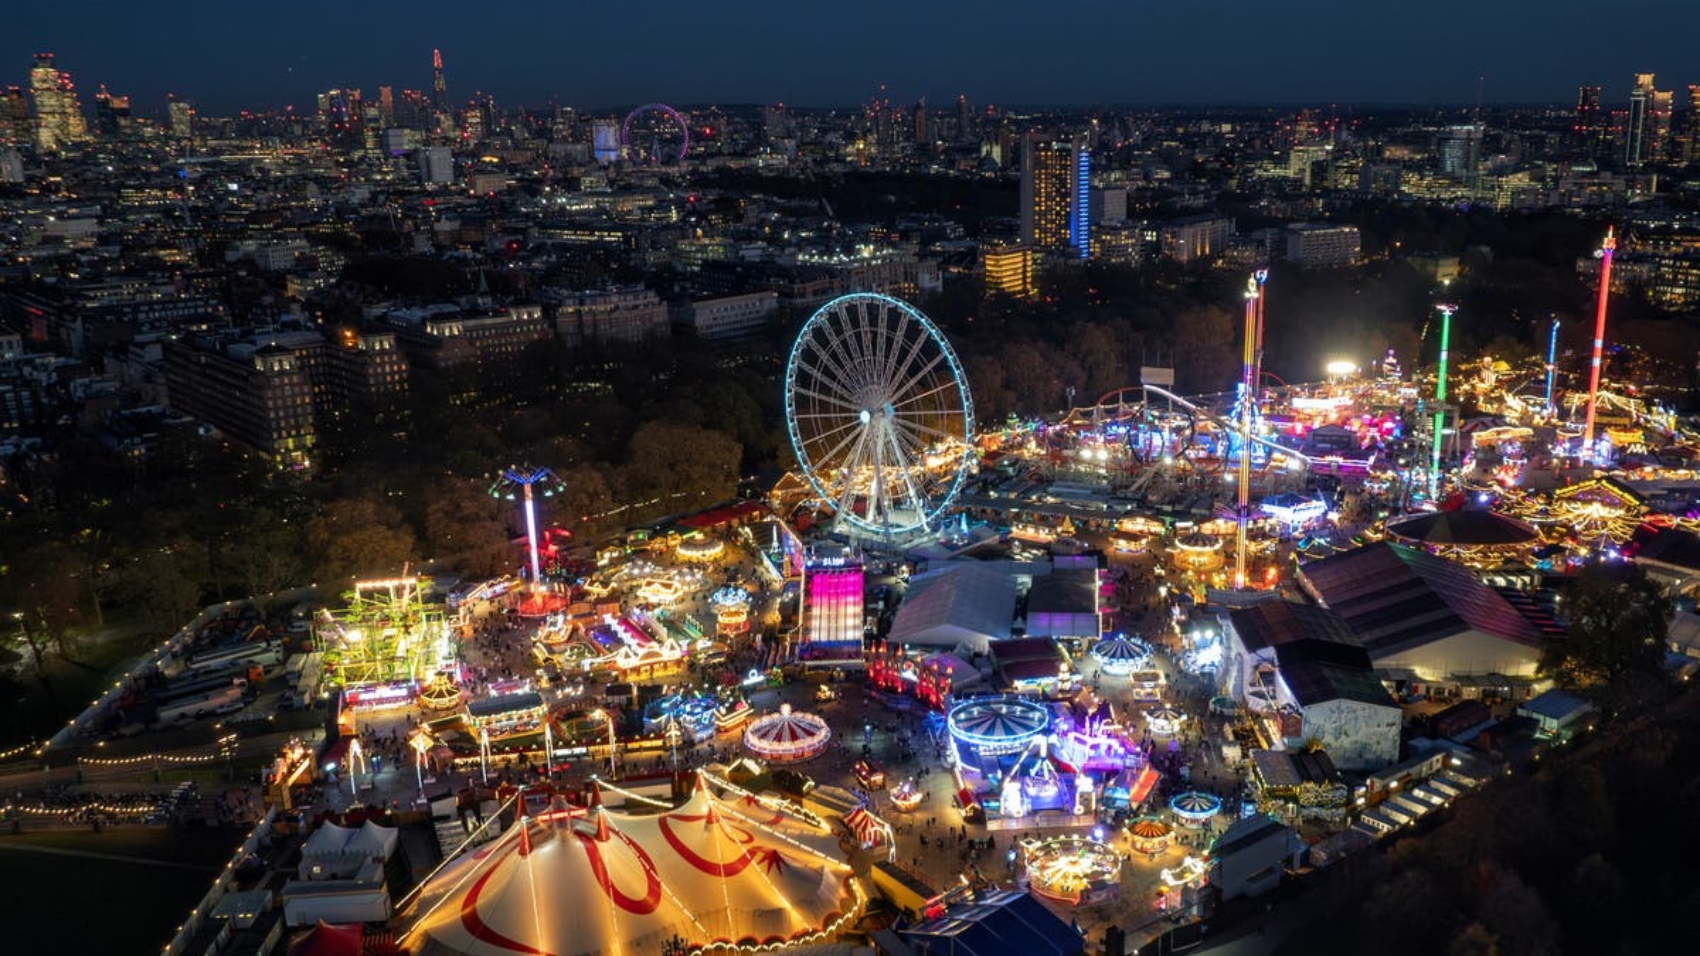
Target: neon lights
(787,737)
(1439,398)
(997,725)
(1606,250)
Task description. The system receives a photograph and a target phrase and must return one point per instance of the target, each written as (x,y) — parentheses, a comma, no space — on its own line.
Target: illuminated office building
(112,115)
(181,116)
(58,114)
(1009,269)
(15,123)
(1056,178)
(1641,131)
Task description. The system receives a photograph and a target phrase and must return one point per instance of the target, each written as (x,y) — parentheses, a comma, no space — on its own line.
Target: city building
(1106,204)
(1460,150)
(1322,244)
(11,165)
(112,118)
(1008,269)
(602,316)
(58,115)
(1640,129)
(17,127)
(436,165)
(1195,238)
(478,349)
(1056,181)
(1591,130)
(257,395)
(180,116)
(727,319)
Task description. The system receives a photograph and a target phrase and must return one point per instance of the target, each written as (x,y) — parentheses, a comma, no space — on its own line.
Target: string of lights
(226,749)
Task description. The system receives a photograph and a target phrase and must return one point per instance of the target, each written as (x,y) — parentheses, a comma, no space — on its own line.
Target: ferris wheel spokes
(876,403)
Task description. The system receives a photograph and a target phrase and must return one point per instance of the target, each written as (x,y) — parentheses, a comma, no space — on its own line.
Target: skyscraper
(1658,127)
(181,116)
(1691,148)
(58,115)
(15,123)
(439,86)
(923,135)
(112,115)
(1636,149)
(1590,127)
(1461,155)
(1056,176)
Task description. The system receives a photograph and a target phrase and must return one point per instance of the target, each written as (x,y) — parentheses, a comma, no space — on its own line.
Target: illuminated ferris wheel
(655,133)
(879,414)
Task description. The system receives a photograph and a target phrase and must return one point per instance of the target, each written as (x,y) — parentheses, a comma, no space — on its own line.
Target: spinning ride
(787,737)
(1194,808)
(1070,868)
(879,414)
(1120,656)
(997,725)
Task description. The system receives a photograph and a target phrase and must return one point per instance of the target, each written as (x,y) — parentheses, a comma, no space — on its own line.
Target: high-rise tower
(439,86)
(1590,129)
(1638,129)
(1056,177)
(58,115)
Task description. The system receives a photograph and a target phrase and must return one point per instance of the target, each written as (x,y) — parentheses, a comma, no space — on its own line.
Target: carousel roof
(787,728)
(573,882)
(1000,718)
(1199,541)
(1465,527)
(1195,802)
(1120,649)
(1151,829)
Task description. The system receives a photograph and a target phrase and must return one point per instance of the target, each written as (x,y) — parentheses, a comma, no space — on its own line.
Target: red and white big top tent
(722,875)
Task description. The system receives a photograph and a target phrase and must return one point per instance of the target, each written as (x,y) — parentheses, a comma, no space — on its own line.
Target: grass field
(82,904)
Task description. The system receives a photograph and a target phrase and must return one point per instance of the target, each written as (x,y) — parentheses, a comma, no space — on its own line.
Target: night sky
(224,55)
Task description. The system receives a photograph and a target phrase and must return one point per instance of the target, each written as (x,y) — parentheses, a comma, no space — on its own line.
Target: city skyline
(1102,54)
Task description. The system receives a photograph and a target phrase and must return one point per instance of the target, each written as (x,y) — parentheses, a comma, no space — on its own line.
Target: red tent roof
(719,516)
(326,939)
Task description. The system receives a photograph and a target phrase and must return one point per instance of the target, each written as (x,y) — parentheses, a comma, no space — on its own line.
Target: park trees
(1614,644)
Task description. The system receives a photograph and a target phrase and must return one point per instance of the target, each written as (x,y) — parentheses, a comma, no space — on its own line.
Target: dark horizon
(1234,52)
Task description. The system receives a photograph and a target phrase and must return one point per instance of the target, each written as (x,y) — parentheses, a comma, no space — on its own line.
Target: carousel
(1164,721)
(1194,808)
(907,797)
(731,609)
(1120,656)
(787,737)
(1150,835)
(1198,553)
(700,549)
(710,876)
(990,726)
(440,694)
(1072,869)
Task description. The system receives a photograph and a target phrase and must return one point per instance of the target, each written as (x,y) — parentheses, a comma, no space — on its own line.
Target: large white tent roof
(958,605)
(573,882)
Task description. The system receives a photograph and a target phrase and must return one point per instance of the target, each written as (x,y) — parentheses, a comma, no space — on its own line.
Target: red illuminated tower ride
(1606,250)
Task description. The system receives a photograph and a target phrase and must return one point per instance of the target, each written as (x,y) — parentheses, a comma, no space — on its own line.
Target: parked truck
(218,700)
